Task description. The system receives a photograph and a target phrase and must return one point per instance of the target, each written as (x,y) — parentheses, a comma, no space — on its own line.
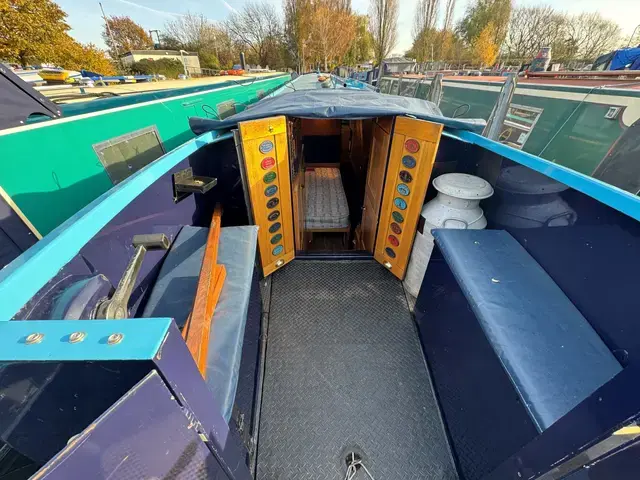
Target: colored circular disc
(276,238)
(395,228)
(405,176)
(267,163)
(400,203)
(278,250)
(411,145)
(393,240)
(269,177)
(273,215)
(409,161)
(397,216)
(272,203)
(271,190)
(275,227)
(390,252)
(266,146)
(403,189)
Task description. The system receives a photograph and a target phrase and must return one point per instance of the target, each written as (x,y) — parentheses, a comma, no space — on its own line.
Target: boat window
(124,155)
(408,87)
(226,109)
(423,90)
(394,87)
(385,85)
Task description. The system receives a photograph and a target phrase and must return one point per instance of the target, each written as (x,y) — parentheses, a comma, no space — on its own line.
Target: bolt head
(34,338)
(77,337)
(115,338)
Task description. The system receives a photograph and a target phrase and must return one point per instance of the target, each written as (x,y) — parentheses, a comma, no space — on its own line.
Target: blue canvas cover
(624,57)
(337,103)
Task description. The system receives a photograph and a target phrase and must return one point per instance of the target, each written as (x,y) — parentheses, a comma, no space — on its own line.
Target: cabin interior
(517,359)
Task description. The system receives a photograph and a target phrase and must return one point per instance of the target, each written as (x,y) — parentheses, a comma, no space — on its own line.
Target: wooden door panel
(374,186)
(414,144)
(266,157)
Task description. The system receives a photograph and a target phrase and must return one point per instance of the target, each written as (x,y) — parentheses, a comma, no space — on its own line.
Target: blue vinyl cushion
(175,289)
(551,353)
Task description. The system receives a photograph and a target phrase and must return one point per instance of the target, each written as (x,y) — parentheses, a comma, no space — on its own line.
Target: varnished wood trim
(197,330)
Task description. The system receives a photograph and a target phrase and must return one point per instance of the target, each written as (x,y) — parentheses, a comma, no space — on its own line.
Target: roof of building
(159,52)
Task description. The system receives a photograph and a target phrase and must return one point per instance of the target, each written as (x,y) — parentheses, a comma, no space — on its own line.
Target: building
(189,59)
(399,65)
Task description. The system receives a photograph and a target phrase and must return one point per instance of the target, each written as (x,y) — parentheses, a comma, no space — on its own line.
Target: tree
(77,56)
(424,29)
(532,28)
(196,33)
(383,25)
(257,27)
(361,48)
(448,15)
(590,35)
(35,31)
(30,30)
(332,32)
(121,34)
(297,31)
(482,12)
(484,46)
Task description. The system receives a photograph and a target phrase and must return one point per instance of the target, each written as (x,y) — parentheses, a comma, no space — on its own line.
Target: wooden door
(296,160)
(414,144)
(266,157)
(375,182)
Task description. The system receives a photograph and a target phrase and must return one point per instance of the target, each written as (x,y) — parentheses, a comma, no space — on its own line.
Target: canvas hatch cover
(337,103)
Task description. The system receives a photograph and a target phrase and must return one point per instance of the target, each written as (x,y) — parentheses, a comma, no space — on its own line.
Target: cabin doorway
(335,188)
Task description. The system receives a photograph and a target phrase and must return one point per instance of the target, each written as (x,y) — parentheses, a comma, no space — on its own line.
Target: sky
(86,22)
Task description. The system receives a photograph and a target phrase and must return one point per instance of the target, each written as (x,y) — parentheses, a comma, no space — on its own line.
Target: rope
(352,469)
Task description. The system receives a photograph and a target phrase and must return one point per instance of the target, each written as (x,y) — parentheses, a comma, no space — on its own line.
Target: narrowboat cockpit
(332,284)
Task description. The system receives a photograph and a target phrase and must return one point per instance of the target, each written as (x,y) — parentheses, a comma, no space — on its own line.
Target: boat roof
(339,103)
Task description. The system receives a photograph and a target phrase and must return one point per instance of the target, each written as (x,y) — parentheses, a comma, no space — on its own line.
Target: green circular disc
(276,238)
(397,216)
(269,177)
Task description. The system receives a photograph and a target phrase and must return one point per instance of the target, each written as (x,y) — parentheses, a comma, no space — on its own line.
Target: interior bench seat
(552,355)
(175,290)
(326,205)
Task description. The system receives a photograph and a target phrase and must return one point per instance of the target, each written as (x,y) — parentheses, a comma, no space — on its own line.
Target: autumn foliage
(35,31)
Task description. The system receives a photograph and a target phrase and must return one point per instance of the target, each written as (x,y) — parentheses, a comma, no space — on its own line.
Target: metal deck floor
(344,372)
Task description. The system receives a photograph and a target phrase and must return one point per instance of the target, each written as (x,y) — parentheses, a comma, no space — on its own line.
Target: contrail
(228,6)
(144,7)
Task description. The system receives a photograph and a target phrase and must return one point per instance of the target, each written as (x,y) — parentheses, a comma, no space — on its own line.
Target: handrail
(27,274)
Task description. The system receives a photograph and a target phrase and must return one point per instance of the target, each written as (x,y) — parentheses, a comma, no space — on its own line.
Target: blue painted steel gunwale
(614,197)
(27,274)
(142,340)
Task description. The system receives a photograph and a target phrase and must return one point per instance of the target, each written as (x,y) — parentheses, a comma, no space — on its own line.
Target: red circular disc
(411,145)
(393,240)
(267,163)
(396,228)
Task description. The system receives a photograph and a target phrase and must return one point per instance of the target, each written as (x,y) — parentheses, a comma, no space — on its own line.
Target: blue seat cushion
(175,289)
(552,355)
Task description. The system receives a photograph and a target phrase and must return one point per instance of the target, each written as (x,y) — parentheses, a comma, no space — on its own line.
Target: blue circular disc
(266,146)
(278,250)
(400,203)
(403,189)
(390,252)
(409,161)
(271,190)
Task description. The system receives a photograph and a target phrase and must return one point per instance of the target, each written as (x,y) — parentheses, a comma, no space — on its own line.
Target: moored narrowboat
(235,309)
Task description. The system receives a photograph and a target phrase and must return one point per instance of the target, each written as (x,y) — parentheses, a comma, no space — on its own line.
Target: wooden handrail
(198,326)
